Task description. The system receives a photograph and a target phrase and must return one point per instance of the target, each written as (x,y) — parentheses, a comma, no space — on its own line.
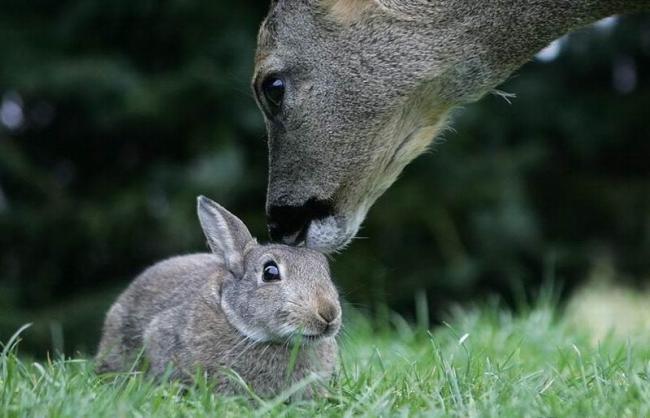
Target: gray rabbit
(245,307)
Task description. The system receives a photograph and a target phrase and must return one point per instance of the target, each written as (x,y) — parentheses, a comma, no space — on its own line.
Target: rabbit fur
(215,312)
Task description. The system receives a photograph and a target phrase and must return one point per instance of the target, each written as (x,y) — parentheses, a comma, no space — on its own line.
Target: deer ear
(226,234)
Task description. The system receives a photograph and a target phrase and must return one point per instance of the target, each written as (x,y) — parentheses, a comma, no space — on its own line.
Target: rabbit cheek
(240,313)
(269,312)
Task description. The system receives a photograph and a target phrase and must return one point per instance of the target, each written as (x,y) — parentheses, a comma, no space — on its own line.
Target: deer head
(353,90)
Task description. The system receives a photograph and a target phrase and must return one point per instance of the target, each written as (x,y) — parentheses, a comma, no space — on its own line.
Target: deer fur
(369,84)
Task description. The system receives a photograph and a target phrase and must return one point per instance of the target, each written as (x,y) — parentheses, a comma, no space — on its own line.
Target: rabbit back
(161,287)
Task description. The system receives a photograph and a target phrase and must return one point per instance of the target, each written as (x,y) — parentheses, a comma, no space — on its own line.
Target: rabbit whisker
(237,345)
(247,348)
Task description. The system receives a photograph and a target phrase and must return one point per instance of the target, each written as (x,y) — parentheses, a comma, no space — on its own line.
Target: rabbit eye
(271,272)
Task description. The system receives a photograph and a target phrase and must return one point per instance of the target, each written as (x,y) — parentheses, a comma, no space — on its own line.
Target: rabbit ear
(227,235)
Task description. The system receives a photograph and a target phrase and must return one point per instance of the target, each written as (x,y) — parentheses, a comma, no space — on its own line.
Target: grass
(484,362)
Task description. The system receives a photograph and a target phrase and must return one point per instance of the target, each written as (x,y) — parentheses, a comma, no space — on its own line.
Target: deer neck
(489,40)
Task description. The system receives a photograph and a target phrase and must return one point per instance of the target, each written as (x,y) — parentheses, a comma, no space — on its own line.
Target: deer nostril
(289,223)
(291,232)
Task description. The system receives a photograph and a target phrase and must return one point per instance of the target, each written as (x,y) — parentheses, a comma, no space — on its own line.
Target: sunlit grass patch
(603,308)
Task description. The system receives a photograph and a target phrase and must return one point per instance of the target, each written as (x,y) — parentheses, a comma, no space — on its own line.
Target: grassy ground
(484,362)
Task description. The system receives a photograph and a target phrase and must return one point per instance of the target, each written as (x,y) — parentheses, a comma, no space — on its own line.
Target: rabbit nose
(328,312)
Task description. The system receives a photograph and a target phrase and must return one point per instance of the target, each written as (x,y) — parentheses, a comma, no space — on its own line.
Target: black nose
(289,224)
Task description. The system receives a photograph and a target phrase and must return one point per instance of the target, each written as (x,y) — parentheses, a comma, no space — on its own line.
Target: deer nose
(289,223)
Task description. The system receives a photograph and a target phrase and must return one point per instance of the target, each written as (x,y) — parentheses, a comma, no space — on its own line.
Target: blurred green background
(115,115)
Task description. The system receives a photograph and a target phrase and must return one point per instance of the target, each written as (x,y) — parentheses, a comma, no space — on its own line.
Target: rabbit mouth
(309,338)
(329,331)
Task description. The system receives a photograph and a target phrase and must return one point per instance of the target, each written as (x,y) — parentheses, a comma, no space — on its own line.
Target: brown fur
(346,12)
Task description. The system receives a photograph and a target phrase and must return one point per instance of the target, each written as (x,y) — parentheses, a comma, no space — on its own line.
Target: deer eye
(273,88)
(271,272)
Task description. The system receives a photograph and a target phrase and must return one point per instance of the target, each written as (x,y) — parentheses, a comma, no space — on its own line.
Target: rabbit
(244,307)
